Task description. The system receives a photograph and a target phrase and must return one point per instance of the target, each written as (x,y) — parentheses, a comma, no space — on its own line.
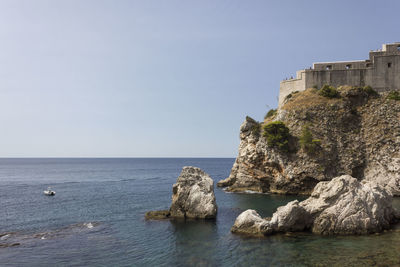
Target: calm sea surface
(96,218)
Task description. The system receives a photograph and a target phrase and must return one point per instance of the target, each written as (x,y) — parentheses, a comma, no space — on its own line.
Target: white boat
(49,192)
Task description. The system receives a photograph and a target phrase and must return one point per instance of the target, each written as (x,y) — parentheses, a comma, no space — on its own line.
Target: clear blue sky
(163,78)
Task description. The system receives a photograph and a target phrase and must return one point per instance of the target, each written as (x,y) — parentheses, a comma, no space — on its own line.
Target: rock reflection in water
(195,242)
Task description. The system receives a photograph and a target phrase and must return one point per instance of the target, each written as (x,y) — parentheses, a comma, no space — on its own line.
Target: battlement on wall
(381,71)
(387,50)
(344,65)
(391,48)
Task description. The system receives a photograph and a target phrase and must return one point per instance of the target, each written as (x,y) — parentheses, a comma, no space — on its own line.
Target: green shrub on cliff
(270,113)
(256,129)
(329,91)
(289,96)
(394,95)
(248,118)
(368,89)
(307,143)
(277,135)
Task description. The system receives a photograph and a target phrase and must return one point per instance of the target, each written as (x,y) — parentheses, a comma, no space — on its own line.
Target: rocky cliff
(356,132)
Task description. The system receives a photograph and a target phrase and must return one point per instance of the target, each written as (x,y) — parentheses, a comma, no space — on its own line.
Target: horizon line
(117,157)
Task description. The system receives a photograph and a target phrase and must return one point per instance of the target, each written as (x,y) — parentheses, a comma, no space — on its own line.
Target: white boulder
(193,195)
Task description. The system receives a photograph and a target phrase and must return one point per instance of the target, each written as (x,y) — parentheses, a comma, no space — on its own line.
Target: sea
(97,218)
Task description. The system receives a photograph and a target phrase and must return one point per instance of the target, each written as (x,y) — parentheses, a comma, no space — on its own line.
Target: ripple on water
(124,238)
(11,238)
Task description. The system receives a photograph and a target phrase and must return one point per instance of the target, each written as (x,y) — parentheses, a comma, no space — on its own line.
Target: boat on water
(49,192)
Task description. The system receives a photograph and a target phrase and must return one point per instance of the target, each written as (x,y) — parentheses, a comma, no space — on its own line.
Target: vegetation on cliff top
(289,96)
(328,95)
(394,95)
(329,91)
(368,89)
(270,113)
(256,128)
(308,98)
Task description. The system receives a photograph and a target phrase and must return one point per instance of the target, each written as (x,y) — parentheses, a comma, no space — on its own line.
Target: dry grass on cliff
(308,98)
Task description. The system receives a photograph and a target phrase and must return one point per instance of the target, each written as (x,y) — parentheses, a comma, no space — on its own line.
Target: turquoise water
(97,219)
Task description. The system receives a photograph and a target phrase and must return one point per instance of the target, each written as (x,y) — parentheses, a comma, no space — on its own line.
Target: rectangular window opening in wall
(389,65)
(329,67)
(348,66)
(368,65)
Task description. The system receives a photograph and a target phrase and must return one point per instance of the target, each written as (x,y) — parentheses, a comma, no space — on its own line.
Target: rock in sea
(341,206)
(193,197)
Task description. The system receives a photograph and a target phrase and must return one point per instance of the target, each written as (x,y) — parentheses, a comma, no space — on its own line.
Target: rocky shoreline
(342,206)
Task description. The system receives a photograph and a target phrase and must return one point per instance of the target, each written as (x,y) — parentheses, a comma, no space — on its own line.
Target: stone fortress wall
(381,71)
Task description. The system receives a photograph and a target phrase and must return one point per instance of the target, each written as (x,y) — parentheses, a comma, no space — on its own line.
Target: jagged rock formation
(341,206)
(193,197)
(359,135)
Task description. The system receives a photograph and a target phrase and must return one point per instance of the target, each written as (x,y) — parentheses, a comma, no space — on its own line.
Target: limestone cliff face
(359,135)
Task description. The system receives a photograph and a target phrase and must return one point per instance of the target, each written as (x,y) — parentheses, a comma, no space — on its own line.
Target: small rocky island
(192,197)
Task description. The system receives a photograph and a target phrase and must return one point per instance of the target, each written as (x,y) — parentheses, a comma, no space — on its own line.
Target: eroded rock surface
(250,222)
(193,197)
(341,206)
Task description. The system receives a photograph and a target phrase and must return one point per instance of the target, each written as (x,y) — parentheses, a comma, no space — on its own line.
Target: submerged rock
(193,197)
(341,206)
(9,245)
(12,239)
(157,215)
